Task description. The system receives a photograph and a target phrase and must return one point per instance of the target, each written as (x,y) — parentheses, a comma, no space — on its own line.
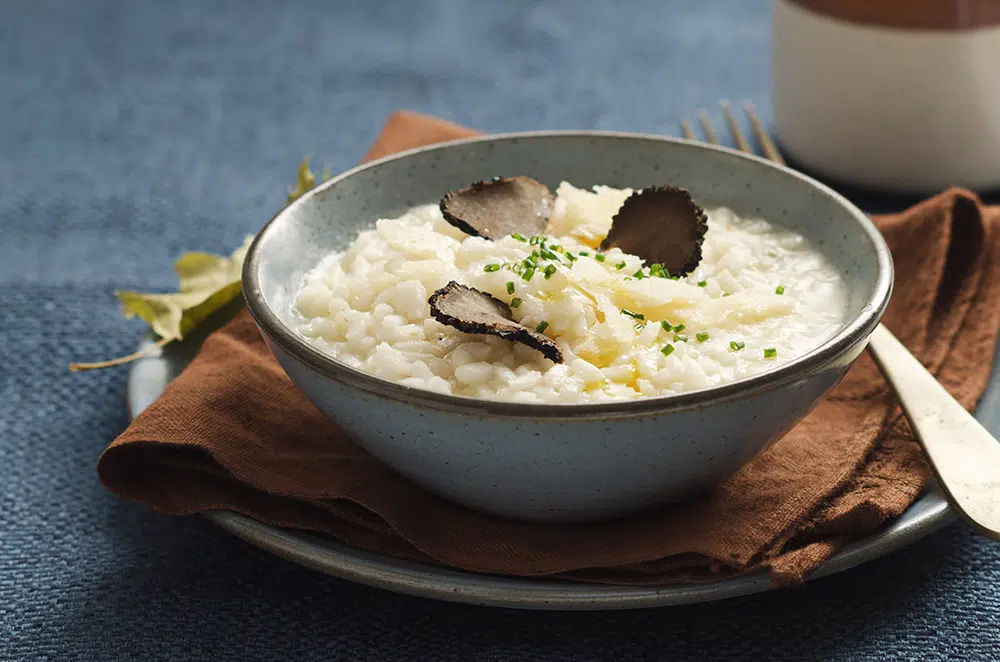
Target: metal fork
(964,455)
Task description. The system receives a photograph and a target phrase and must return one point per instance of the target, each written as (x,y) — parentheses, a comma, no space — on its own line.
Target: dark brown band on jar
(909,14)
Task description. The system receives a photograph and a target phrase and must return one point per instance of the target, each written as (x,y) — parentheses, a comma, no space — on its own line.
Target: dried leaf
(207,283)
(305,180)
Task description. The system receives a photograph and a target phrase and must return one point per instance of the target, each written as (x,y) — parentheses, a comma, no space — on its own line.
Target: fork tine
(706,123)
(734,127)
(766,144)
(687,129)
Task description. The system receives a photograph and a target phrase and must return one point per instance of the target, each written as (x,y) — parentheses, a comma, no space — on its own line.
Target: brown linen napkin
(232,432)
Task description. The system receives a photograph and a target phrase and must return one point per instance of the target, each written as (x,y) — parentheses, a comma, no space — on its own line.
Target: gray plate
(151,375)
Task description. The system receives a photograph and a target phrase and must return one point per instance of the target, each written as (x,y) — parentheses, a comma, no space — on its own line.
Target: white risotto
(761,296)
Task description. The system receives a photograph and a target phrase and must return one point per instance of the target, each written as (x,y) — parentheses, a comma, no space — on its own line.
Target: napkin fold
(232,432)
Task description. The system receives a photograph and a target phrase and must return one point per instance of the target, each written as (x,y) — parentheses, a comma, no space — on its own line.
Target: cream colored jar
(900,95)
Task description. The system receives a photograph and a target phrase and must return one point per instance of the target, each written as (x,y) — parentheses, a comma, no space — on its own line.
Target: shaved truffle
(470,310)
(662,225)
(498,207)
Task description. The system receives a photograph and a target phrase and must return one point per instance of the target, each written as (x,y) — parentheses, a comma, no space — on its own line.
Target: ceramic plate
(151,375)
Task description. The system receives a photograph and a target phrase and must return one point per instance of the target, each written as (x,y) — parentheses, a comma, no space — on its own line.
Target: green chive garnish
(770,353)
(549,270)
(736,345)
(638,316)
(780,289)
(702,337)
(515,302)
(667,350)
(510,287)
(679,327)
(571,257)
(680,338)
(490,268)
(639,327)
(549,255)
(600,257)
(638,275)
(702,283)
(725,294)
(620,266)
(519,236)
(536,239)
(666,325)
(585,253)
(542,326)
(557,248)
(528,273)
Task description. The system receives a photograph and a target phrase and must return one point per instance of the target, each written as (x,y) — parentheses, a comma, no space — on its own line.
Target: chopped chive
(736,345)
(702,283)
(780,289)
(666,325)
(678,327)
(620,265)
(549,255)
(549,270)
(542,326)
(536,239)
(490,268)
(600,257)
(571,257)
(515,302)
(702,337)
(585,253)
(510,287)
(519,237)
(725,294)
(770,353)
(528,273)
(680,338)
(638,316)
(628,278)
(667,350)
(639,327)
(557,248)
(638,275)
(517,268)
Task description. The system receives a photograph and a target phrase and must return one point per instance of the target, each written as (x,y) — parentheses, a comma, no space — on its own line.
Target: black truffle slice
(498,207)
(470,310)
(660,224)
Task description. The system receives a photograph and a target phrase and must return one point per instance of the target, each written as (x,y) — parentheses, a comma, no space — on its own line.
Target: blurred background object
(901,95)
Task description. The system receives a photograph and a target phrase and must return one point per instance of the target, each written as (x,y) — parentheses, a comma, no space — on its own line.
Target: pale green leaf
(207,283)
(305,180)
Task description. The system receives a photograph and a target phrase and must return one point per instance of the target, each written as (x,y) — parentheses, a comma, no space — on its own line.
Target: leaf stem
(145,351)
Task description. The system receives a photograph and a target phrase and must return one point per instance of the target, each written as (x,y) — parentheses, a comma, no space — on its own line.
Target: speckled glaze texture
(566,462)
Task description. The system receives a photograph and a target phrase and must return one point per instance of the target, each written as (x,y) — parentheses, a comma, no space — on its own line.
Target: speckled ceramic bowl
(564,462)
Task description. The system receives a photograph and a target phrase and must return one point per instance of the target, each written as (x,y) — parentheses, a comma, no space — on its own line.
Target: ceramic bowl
(565,462)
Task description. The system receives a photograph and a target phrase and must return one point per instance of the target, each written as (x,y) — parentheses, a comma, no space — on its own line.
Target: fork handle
(964,455)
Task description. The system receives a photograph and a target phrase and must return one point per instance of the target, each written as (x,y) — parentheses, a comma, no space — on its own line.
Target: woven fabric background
(131,131)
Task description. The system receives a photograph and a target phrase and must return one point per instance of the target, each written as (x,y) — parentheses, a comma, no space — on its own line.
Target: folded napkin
(233,432)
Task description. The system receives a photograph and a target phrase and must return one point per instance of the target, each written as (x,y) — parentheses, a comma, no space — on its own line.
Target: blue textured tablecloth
(131,131)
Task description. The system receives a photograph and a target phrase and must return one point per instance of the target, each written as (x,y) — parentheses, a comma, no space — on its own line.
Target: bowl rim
(856,330)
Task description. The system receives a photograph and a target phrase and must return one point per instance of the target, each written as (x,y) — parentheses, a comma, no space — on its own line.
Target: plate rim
(928,514)
(428,581)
